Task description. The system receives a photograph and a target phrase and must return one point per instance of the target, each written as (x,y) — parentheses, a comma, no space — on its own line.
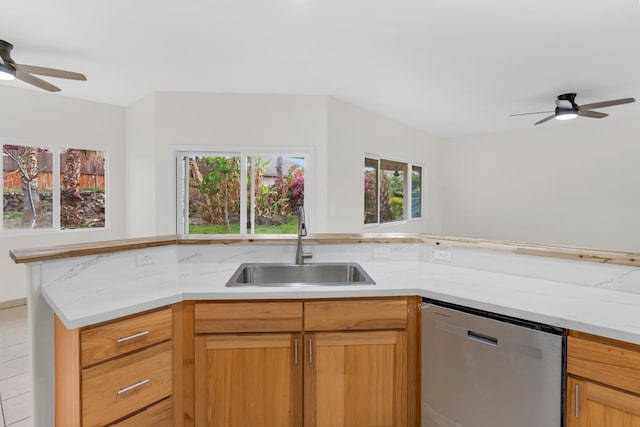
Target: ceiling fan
(566,108)
(9,70)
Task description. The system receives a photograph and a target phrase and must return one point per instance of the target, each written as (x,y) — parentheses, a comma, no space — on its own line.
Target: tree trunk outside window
(28,161)
(70,200)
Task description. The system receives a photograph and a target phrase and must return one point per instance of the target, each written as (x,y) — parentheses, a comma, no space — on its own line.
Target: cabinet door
(355,379)
(248,380)
(600,406)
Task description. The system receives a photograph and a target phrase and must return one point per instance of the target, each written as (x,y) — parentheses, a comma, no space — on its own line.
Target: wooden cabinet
(601,406)
(248,367)
(158,415)
(355,379)
(119,372)
(312,363)
(603,387)
(320,363)
(248,380)
(356,363)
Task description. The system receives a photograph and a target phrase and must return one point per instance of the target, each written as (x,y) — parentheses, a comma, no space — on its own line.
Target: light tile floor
(15,375)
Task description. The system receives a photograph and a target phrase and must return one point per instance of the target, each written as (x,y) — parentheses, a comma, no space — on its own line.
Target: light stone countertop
(589,297)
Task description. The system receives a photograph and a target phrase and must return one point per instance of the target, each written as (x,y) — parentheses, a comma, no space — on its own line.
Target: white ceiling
(449,67)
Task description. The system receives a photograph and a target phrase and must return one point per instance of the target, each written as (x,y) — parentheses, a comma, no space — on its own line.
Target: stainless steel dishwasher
(482,370)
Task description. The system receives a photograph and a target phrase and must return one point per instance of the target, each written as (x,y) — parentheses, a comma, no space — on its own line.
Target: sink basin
(321,274)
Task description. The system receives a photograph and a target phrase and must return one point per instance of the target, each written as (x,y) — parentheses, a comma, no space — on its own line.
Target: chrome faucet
(302,231)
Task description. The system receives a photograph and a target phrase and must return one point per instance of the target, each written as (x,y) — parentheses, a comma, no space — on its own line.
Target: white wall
(40,117)
(568,183)
(338,133)
(354,132)
(141,152)
(194,119)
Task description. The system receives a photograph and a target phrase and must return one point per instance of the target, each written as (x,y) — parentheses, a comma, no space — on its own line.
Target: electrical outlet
(145,259)
(442,255)
(381,252)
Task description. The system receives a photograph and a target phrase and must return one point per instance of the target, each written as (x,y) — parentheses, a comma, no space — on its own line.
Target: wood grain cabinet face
(600,406)
(351,315)
(330,363)
(248,380)
(355,379)
(603,382)
(158,415)
(106,341)
(236,317)
(116,388)
(115,370)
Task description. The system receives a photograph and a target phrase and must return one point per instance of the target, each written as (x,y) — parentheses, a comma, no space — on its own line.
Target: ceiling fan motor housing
(567,101)
(5,52)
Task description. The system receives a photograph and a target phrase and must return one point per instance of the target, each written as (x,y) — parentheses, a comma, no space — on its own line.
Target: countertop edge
(141,306)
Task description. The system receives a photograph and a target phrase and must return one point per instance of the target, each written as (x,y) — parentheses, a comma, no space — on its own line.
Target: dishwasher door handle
(486,339)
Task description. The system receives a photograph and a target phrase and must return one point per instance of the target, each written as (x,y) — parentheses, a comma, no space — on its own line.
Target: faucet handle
(302,224)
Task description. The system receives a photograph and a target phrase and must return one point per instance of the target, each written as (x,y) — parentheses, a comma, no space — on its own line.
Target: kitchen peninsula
(586,291)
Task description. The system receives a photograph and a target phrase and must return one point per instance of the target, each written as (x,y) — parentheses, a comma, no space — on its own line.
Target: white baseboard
(12,303)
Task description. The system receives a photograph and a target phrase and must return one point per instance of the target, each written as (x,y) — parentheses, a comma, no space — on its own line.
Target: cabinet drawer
(113,389)
(240,317)
(123,336)
(355,315)
(605,361)
(158,415)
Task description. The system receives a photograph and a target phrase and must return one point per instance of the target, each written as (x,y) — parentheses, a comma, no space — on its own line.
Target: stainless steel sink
(320,274)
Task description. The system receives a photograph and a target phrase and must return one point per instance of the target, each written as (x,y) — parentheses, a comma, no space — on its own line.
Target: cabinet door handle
(130,337)
(134,386)
(310,351)
(577,397)
(295,351)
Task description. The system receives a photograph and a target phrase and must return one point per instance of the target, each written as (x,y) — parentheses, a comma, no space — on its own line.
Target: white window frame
(422,191)
(180,152)
(407,209)
(56,151)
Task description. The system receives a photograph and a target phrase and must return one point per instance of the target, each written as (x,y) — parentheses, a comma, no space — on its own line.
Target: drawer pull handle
(295,351)
(131,387)
(130,337)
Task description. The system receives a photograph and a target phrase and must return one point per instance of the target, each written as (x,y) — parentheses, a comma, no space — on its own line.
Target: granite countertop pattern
(594,298)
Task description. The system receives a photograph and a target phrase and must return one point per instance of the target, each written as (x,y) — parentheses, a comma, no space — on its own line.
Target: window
(238,193)
(370,191)
(50,188)
(82,189)
(386,182)
(416,192)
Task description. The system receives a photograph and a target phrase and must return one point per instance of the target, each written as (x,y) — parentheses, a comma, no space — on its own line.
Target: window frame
(422,191)
(408,200)
(56,151)
(181,152)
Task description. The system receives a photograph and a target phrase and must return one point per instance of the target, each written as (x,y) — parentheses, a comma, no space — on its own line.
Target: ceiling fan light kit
(7,73)
(9,70)
(565,114)
(567,109)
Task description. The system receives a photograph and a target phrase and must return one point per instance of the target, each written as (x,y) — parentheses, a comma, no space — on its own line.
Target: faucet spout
(302,231)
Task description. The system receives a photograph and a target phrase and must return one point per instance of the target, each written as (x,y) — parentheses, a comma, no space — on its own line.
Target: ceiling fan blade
(526,114)
(606,103)
(592,114)
(35,81)
(546,119)
(51,72)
